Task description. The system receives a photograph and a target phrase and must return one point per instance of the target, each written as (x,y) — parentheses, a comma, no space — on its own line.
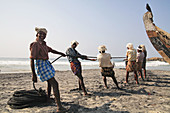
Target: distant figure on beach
(131,64)
(106,65)
(75,64)
(42,67)
(139,61)
(144,59)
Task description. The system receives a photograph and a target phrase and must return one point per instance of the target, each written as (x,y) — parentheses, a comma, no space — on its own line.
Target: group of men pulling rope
(43,69)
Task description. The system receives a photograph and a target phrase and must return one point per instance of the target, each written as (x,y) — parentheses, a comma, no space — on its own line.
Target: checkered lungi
(44,70)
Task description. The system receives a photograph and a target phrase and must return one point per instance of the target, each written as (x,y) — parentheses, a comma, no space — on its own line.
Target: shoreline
(25,72)
(151,95)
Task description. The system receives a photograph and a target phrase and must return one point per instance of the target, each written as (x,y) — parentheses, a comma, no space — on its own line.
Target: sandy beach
(150,96)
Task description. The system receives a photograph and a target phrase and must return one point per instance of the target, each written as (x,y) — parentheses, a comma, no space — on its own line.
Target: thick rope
(27,98)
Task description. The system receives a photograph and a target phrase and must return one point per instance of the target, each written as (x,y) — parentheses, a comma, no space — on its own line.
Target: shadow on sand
(157,80)
(105,108)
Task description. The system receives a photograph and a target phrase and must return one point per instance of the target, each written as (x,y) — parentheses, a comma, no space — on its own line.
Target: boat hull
(159,38)
(160,44)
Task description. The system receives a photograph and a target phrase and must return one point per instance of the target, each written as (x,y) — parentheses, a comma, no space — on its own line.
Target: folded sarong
(76,67)
(131,66)
(139,66)
(107,71)
(44,70)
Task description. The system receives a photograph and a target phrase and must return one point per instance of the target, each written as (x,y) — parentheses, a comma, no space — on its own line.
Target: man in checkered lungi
(41,67)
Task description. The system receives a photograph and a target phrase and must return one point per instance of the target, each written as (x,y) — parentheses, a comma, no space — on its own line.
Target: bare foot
(137,82)
(125,82)
(87,94)
(62,110)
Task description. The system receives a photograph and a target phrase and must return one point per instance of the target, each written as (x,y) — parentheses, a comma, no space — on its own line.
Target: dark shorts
(107,71)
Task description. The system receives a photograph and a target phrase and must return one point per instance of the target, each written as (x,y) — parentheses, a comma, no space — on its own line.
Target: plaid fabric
(131,66)
(139,66)
(107,71)
(76,67)
(44,70)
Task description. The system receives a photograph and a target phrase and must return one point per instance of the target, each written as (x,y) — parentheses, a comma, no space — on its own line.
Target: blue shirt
(73,53)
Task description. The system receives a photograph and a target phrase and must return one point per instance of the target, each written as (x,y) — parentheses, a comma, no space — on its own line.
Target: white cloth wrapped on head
(74,41)
(139,48)
(41,29)
(102,48)
(130,46)
(143,47)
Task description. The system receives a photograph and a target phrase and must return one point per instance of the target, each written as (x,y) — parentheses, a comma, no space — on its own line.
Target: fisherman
(106,66)
(42,67)
(139,61)
(75,64)
(144,59)
(131,64)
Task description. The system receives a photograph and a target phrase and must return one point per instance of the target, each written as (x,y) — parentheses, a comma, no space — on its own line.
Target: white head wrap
(130,46)
(74,41)
(102,48)
(139,48)
(143,47)
(41,29)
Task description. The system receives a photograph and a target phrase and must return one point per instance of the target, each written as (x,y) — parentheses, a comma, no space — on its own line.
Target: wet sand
(150,96)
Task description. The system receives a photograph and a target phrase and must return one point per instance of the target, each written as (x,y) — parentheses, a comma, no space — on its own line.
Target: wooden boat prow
(159,38)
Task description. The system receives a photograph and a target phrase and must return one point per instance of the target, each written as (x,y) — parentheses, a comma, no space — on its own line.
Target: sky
(112,23)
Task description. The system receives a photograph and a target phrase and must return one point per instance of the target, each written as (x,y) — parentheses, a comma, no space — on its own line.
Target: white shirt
(140,57)
(104,60)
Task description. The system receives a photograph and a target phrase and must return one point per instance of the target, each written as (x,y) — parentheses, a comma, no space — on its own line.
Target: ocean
(21,65)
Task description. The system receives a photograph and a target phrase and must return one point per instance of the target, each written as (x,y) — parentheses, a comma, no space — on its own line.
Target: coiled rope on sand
(27,98)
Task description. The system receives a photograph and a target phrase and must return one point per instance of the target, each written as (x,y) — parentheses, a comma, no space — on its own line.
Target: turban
(41,29)
(130,46)
(143,47)
(74,42)
(102,48)
(139,48)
